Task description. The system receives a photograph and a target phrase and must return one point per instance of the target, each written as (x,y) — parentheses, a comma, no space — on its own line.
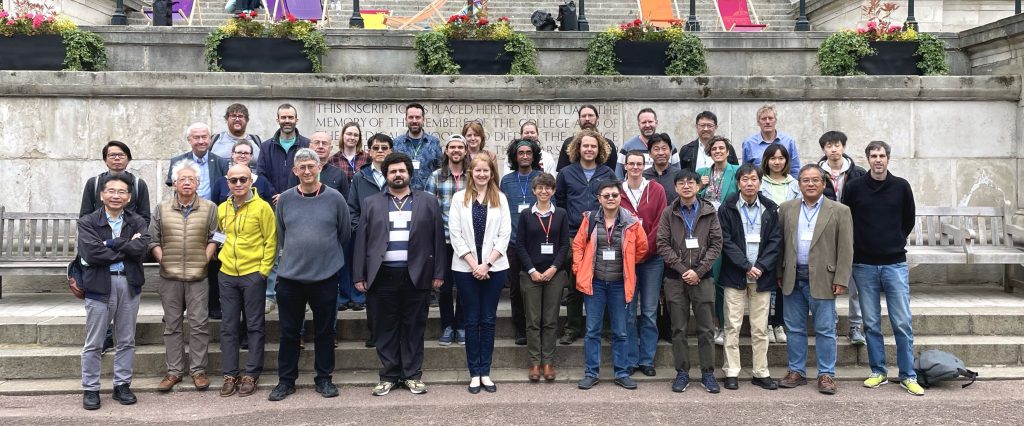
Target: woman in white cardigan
(480,226)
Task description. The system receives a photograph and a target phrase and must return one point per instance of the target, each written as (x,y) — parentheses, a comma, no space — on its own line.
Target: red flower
(453,18)
(312,20)
(252,13)
(464,18)
(291,18)
(481,22)
(623,27)
(638,22)
(242,16)
(503,19)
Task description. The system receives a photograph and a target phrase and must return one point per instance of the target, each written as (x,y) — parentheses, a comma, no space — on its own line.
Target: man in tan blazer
(815,266)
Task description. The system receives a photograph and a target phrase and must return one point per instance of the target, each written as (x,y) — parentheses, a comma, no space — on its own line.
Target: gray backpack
(933,366)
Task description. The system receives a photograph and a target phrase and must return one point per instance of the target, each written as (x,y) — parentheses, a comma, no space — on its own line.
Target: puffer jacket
(183,240)
(251,237)
(584,248)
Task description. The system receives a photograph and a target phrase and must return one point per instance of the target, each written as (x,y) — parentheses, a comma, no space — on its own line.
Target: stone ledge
(1003,28)
(488,88)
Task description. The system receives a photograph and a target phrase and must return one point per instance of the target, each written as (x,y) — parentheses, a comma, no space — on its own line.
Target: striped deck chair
(430,13)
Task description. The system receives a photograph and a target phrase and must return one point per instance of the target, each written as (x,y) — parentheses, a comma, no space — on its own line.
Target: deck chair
(275,10)
(181,11)
(736,16)
(307,9)
(431,13)
(661,13)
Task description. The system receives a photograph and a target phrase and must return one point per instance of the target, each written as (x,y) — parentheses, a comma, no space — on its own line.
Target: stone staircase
(40,349)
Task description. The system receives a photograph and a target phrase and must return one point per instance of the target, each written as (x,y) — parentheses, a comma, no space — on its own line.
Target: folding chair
(181,11)
(736,16)
(428,13)
(307,9)
(661,13)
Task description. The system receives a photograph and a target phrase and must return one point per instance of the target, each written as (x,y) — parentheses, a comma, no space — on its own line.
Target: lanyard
(810,218)
(546,229)
(751,220)
(688,219)
(416,152)
(522,188)
(608,230)
(394,200)
(458,179)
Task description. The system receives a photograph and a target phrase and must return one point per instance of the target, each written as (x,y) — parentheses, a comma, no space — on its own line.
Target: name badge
(547,249)
(523,207)
(400,219)
(691,243)
(219,237)
(753,238)
(607,254)
(648,161)
(806,236)
(415,164)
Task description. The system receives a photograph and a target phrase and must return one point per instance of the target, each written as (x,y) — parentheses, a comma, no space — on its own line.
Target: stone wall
(931,15)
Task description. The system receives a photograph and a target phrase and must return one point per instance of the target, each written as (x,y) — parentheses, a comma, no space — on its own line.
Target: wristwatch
(489,265)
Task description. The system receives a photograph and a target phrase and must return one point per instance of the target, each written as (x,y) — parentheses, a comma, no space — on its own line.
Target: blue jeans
(642,338)
(479,300)
(272,282)
(894,281)
(610,296)
(823,312)
(346,288)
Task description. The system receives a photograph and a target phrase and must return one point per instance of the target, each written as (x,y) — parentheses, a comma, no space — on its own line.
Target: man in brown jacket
(690,239)
(184,234)
(815,266)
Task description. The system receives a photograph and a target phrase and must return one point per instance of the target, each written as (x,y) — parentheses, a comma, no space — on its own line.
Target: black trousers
(399,319)
(515,294)
(292,297)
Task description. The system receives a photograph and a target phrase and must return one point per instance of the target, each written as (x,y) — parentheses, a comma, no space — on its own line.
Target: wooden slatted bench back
(37,236)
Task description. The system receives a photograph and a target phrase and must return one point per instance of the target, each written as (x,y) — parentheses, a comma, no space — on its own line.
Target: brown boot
(200,380)
(549,372)
(230,386)
(168,383)
(827,385)
(248,386)
(792,380)
(534,374)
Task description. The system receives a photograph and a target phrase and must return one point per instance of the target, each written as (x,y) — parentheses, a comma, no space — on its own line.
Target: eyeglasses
(241,153)
(239,180)
(188,179)
(117,155)
(706,126)
(809,181)
(634,164)
(120,192)
(610,196)
(199,138)
(319,143)
(236,117)
(307,167)
(380,148)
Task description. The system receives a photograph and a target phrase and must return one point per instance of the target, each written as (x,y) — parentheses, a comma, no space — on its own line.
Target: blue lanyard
(751,220)
(810,218)
(522,188)
(689,219)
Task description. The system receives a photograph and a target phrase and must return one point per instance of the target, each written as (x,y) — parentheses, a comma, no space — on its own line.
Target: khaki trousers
(736,301)
(180,298)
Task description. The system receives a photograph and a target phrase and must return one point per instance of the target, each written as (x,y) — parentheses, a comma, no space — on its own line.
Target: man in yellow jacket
(250,243)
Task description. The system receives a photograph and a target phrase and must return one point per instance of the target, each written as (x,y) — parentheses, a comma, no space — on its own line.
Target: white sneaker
(771,334)
(720,337)
(271,305)
(780,334)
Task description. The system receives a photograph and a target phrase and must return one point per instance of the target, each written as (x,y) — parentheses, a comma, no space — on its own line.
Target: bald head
(320,142)
(240,181)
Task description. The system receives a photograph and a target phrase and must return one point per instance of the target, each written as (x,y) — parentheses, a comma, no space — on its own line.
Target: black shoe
(369,342)
(473,389)
(520,340)
(648,370)
(588,382)
(124,395)
(632,370)
(626,382)
(244,345)
(327,389)
(342,307)
(216,314)
(491,388)
(731,383)
(280,392)
(681,382)
(766,383)
(91,400)
(355,306)
(108,344)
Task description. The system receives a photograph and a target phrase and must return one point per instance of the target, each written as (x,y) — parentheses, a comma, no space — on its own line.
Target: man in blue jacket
(111,242)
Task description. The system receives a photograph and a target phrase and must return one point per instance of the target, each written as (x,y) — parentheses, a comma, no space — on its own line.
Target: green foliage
(85,51)
(933,55)
(685,54)
(524,55)
(434,55)
(840,52)
(314,44)
(601,54)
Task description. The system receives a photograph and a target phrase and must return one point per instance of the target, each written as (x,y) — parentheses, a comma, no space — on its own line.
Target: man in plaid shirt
(444,183)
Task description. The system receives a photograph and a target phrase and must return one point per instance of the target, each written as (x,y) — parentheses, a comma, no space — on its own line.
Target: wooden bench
(968,236)
(36,243)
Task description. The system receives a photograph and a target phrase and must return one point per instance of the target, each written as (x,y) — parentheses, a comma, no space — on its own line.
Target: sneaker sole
(418,392)
(711,390)
(908,390)
(375,393)
(681,390)
(880,384)
(444,343)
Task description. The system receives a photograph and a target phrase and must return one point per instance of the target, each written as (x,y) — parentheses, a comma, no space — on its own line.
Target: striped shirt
(397,254)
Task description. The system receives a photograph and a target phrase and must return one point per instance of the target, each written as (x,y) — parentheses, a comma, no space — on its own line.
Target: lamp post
(356,21)
(692,24)
(584,25)
(801,22)
(911,21)
(1016,7)
(118,17)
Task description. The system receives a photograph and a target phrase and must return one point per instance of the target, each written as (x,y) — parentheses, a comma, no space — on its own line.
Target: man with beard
(237,119)
(444,183)
(647,122)
(693,155)
(587,120)
(524,159)
(422,148)
(398,247)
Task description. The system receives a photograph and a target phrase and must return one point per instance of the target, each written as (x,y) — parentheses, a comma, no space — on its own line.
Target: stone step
(39,362)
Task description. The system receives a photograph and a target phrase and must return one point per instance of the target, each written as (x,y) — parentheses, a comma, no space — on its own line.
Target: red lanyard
(546,229)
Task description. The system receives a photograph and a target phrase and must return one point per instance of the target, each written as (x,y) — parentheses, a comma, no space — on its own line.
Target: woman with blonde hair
(480,226)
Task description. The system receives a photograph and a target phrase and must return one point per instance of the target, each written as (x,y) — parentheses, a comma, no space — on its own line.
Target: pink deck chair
(181,11)
(736,16)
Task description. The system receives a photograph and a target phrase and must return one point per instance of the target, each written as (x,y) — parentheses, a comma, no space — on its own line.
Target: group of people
(255,225)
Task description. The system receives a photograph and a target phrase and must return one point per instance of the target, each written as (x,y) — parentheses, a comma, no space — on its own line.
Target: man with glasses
(444,183)
(111,243)
(211,166)
(330,175)
(693,155)
(184,240)
(524,157)
(237,119)
(815,265)
(241,153)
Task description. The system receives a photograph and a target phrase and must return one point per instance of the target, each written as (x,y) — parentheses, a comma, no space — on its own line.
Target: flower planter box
(250,54)
(39,52)
(893,58)
(641,57)
(481,57)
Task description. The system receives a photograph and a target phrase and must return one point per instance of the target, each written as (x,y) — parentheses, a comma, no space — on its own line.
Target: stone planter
(481,57)
(39,52)
(892,58)
(641,57)
(277,55)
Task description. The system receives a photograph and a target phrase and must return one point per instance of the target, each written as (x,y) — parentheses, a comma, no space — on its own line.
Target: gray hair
(306,154)
(185,164)
(196,126)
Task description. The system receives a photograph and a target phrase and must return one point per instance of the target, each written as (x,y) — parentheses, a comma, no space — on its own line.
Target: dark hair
(812,166)
(415,105)
(706,115)
(633,152)
(528,123)
(716,138)
(380,137)
(237,108)
(119,178)
(769,152)
(650,110)
(831,136)
(119,144)
(286,106)
(591,107)
(746,169)
(872,146)
(609,183)
(659,137)
(545,179)
(687,174)
(396,158)
(513,148)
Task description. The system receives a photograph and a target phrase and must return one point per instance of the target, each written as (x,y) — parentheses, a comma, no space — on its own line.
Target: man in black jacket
(587,119)
(692,156)
(750,250)
(116,155)
(277,154)
(111,243)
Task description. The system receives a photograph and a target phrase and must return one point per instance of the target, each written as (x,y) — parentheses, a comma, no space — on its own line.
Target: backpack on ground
(934,366)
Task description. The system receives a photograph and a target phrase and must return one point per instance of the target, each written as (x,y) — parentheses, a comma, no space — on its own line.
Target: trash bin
(373,19)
